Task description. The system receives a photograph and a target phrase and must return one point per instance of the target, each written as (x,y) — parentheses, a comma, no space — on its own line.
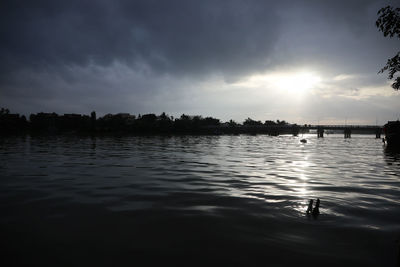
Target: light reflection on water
(267,177)
(356,172)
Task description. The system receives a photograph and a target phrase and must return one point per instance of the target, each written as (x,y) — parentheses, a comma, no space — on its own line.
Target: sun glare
(293,83)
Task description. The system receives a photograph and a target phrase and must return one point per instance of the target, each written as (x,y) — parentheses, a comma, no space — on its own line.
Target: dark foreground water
(207,200)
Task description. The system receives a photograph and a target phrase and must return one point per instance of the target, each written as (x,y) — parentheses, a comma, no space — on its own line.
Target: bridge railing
(343,126)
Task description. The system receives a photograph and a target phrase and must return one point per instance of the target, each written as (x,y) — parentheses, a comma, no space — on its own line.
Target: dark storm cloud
(167,36)
(183,36)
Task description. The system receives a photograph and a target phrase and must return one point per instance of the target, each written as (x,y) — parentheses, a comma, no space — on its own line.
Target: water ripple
(272,178)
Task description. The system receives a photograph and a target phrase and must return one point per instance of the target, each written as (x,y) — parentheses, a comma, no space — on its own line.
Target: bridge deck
(343,127)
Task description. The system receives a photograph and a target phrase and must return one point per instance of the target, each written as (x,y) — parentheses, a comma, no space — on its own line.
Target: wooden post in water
(320,132)
(347,133)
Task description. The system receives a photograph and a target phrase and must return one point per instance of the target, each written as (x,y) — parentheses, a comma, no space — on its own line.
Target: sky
(304,61)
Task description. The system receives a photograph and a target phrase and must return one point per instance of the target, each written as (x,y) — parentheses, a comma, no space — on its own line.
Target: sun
(297,82)
(293,83)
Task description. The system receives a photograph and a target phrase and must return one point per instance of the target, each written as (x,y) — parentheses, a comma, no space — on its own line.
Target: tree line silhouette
(52,123)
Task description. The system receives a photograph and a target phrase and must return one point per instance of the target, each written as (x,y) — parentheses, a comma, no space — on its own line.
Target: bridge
(347,129)
(294,129)
(342,127)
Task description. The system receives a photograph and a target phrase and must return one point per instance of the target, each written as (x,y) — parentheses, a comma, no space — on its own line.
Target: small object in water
(315,211)
(309,209)
(303,140)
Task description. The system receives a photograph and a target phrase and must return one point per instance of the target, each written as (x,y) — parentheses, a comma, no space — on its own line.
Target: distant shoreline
(151,124)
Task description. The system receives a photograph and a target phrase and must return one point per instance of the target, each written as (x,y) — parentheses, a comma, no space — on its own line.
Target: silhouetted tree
(269,122)
(388,22)
(210,121)
(121,123)
(163,116)
(283,122)
(93,120)
(164,123)
(146,122)
(46,122)
(184,117)
(149,118)
(196,121)
(12,123)
(4,111)
(183,124)
(251,122)
(232,123)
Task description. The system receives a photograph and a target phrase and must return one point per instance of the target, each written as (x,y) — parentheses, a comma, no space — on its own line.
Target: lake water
(198,200)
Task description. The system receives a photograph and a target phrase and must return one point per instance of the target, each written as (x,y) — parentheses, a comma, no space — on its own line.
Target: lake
(198,200)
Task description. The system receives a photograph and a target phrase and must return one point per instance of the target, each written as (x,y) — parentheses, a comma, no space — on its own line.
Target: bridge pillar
(378,133)
(320,132)
(347,133)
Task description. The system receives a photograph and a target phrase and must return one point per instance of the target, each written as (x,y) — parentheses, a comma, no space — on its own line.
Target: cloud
(180,36)
(344,77)
(168,36)
(185,55)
